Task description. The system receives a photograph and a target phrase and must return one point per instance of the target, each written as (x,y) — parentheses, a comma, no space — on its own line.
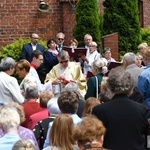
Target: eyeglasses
(65,61)
(60,39)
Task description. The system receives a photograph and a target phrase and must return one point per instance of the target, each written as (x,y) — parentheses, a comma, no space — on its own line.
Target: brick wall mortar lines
(19,18)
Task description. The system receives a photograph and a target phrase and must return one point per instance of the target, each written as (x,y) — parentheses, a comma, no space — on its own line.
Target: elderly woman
(24,133)
(10,91)
(9,122)
(89,134)
(22,70)
(142,47)
(90,57)
(124,119)
(107,55)
(93,84)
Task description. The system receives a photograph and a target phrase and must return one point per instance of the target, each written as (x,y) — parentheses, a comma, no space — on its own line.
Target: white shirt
(9,89)
(33,47)
(41,87)
(91,58)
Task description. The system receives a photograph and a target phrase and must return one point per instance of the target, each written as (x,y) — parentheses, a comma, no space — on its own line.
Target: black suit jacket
(80,107)
(125,122)
(40,130)
(27,51)
(26,54)
(59,47)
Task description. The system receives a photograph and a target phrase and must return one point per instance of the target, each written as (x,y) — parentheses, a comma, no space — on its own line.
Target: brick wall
(100,5)
(19,18)
(111,41)
(68,21)
(146,12)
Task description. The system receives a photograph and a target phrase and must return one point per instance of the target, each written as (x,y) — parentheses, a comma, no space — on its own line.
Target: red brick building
(19,18)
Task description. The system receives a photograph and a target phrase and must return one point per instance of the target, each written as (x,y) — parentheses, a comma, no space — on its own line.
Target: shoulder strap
(96,87)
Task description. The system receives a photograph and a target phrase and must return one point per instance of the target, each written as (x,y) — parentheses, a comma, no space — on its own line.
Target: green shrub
(122,16)
(88,21)
(145,33)
(14,49)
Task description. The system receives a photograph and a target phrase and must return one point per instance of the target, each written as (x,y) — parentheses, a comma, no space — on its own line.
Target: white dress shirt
(41,87)
(9,89)
(91,58)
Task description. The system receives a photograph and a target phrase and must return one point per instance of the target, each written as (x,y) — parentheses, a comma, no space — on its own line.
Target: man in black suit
(60,38)
(125,120)
(28,48)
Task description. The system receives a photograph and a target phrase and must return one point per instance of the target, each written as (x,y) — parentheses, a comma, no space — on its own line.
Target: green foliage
(88,21)
(101,22)
(121,54)
(14,49)
(145,33)
(122,16)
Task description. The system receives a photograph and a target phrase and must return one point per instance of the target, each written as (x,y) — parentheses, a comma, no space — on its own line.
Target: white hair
(129,57)
(52,106)
(7,63)
(72,86)
(10,119)
(87,36)
(100,66)
(60,33)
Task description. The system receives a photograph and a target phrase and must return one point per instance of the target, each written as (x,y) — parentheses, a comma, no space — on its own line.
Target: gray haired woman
(9,122)
(93,84)
(10,91)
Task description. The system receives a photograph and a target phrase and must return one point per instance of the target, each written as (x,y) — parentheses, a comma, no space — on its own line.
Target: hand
(84,58)
(80,60)
(65,81)
(62,77)
(71,59)
(56,81)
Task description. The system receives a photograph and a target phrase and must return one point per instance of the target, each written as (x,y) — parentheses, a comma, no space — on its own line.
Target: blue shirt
(75,119)
(8,141)
(144,84)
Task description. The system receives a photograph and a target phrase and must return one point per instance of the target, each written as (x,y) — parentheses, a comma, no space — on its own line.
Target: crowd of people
(57,106)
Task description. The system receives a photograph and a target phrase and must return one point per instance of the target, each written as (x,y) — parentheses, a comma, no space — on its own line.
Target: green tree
(145,32)
(122,16)
(88,21)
